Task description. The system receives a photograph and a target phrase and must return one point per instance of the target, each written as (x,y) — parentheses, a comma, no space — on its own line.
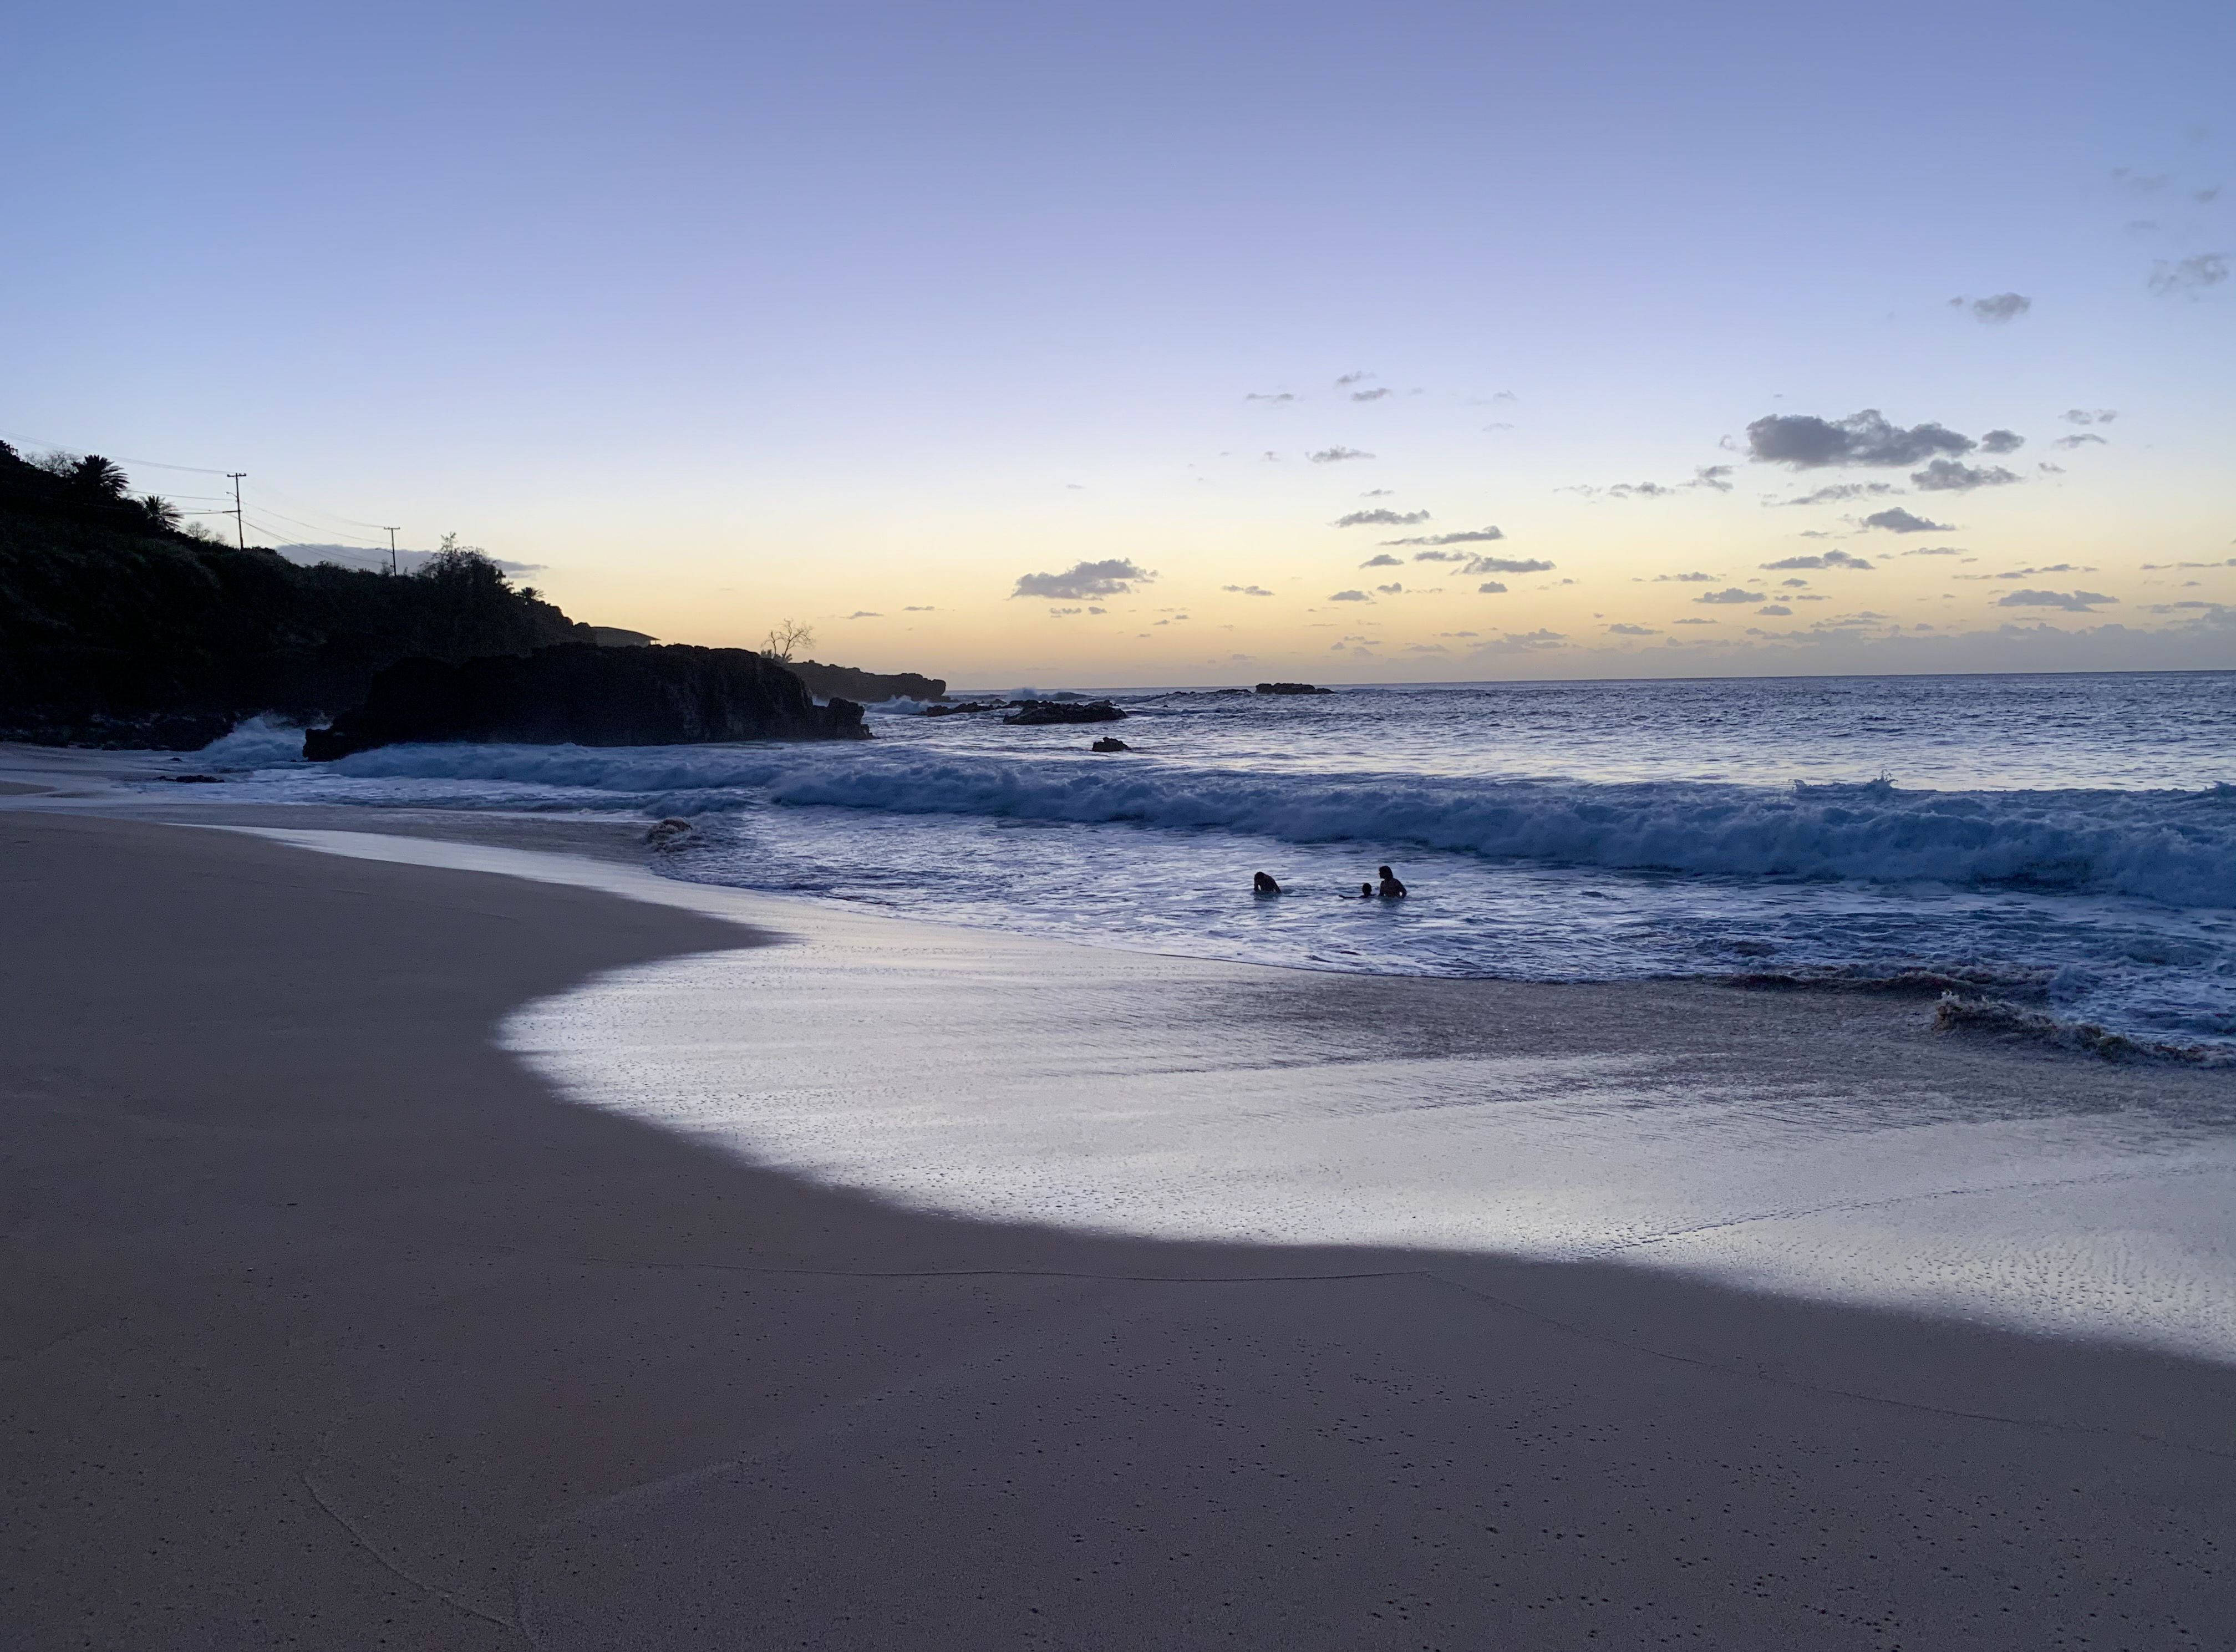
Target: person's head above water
(1263,882)
(1365,891)
(1384,871)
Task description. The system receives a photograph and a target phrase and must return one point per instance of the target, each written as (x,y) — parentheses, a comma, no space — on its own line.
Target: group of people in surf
(1391,889)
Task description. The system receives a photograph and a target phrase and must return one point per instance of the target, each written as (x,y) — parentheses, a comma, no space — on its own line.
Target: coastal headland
(332,1323)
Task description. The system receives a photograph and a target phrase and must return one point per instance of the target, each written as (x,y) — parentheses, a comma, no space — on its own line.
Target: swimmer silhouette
(1366,892)
(1264,883)
(1391,889)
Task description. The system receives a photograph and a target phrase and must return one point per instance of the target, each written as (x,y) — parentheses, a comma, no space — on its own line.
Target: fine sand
(328,1324)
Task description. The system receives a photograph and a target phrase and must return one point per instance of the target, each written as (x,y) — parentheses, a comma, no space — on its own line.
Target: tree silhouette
(786,638)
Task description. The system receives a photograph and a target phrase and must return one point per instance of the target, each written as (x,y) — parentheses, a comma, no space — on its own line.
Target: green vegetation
(118,628)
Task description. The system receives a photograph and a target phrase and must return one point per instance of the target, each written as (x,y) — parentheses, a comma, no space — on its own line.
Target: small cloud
(1377,493)
(1247,590)
(2136,183)
(1829,559)
(1491,588)
(1805,442)
(1948,476)
(2189,275)
(1350,596)
(1114,576)
(1384,560)
(1934,550)
(2035,573)
(1380,518)
(1632,630)
(1508,565)
(1687,579)
(865,614)
(1375,395)
(1526,641)
(2070,601)
(926,609)
(1899,520)
(2083,416)
(1696,622)
(1391,590)
(1997,310)
(1730,595)
(1712,475)
(1337,455)
(2082,439)
(2002,442)
(1796,583)
(1471,537)
(2209,194)
(1834,492)
(1455,633)
(1351,378)
(1276,397)
(1426,647)
(1777,609)
(1440,556)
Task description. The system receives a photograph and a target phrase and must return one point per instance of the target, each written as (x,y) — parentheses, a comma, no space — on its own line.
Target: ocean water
(2067,843)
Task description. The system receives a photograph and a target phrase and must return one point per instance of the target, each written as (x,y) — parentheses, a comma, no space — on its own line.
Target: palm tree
(161,513)
(97,475)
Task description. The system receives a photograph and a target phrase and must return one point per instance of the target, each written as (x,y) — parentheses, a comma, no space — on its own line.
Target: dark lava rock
(956,709)
(578,694)
(1292,689)
(1111,743)
(1033,712)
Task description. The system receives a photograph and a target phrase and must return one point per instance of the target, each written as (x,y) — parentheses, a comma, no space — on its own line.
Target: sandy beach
(334,1322)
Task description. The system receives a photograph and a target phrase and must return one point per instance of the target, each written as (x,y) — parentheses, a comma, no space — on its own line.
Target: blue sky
(723,313)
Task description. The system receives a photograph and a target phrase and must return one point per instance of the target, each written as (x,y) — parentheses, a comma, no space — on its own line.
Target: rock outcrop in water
(1034,712)
(581,695)
(1292,689)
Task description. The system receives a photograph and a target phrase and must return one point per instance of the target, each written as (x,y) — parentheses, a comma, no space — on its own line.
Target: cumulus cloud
(1380,518)
(2070,601)
(1337,455)
(1829,559)
(2189,275)
(865,614)
(2081,439)
(1507,565)
(1374,395)
(1384,560)
(1471,537)
(1776,610)
(1351,378)
(2083,416)
(1440,556)
(1896,520)
(1350,596)
(1730,595)
(1391,590)
(1805,442)
(1491,588)
(1632,630)
(1948,476)
(1115,576)
(1687,579)
(1247,590)
(1996,309)
(2002,442)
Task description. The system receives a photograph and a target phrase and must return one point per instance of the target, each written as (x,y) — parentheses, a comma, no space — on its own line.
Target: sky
(1160,344)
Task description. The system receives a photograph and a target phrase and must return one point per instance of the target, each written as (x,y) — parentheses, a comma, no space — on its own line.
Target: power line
(156,465)
(240,529)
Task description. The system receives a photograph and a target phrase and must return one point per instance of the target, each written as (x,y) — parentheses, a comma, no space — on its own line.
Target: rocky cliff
(869,687)
(583,694)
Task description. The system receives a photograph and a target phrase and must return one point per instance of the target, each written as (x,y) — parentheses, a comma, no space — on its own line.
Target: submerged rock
(1111,743)
(581,694)
(1033,712)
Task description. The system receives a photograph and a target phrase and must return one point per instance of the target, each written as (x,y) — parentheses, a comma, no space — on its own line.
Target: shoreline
(336,1323)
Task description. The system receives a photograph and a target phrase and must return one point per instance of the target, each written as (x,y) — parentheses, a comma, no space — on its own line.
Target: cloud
(926,609)
(2002,442)
(865,614)
(1730,595)
(1897,520)
(1525,641)
(1374,395)
(1391,590)
(2082,439)
(1706,475)
(1491,588)
(1440,556)
(1276,397)
(1380,518)
(1829,559)
(1712,475)
(2035,573)
(2070,601)
(1384,560)
(1776,610)
(2082,416)
(1697,622)
(1350,596)
(2137,183)
(1351,378)
(1934,550)
(1507,565)
(1948,476)
(1834,492)
(1377,493)
(1687,579)
(1247,590)
(1337,455)
(1994,312)
(1634,630)
(1805,442)
(1115,576)
(2190,275)
(1471,537)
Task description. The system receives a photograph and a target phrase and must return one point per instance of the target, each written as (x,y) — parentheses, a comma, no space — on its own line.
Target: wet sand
(329,1324)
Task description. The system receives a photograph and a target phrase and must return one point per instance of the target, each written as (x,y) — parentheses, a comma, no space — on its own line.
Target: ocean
(2066,845)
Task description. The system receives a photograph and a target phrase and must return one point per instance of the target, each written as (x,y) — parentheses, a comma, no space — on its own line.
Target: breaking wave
(2172,847)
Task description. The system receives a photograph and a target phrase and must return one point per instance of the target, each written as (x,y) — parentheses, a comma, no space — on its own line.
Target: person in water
(1264,883)
(1391,889)
(1366,892)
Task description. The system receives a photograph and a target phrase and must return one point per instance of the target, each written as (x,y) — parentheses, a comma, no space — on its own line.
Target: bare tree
(786,639)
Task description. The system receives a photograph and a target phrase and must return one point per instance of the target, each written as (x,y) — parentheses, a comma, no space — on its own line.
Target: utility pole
(391,532)
(239,533)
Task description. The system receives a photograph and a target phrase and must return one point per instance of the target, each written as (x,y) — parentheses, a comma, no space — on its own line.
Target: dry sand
(327,1325)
